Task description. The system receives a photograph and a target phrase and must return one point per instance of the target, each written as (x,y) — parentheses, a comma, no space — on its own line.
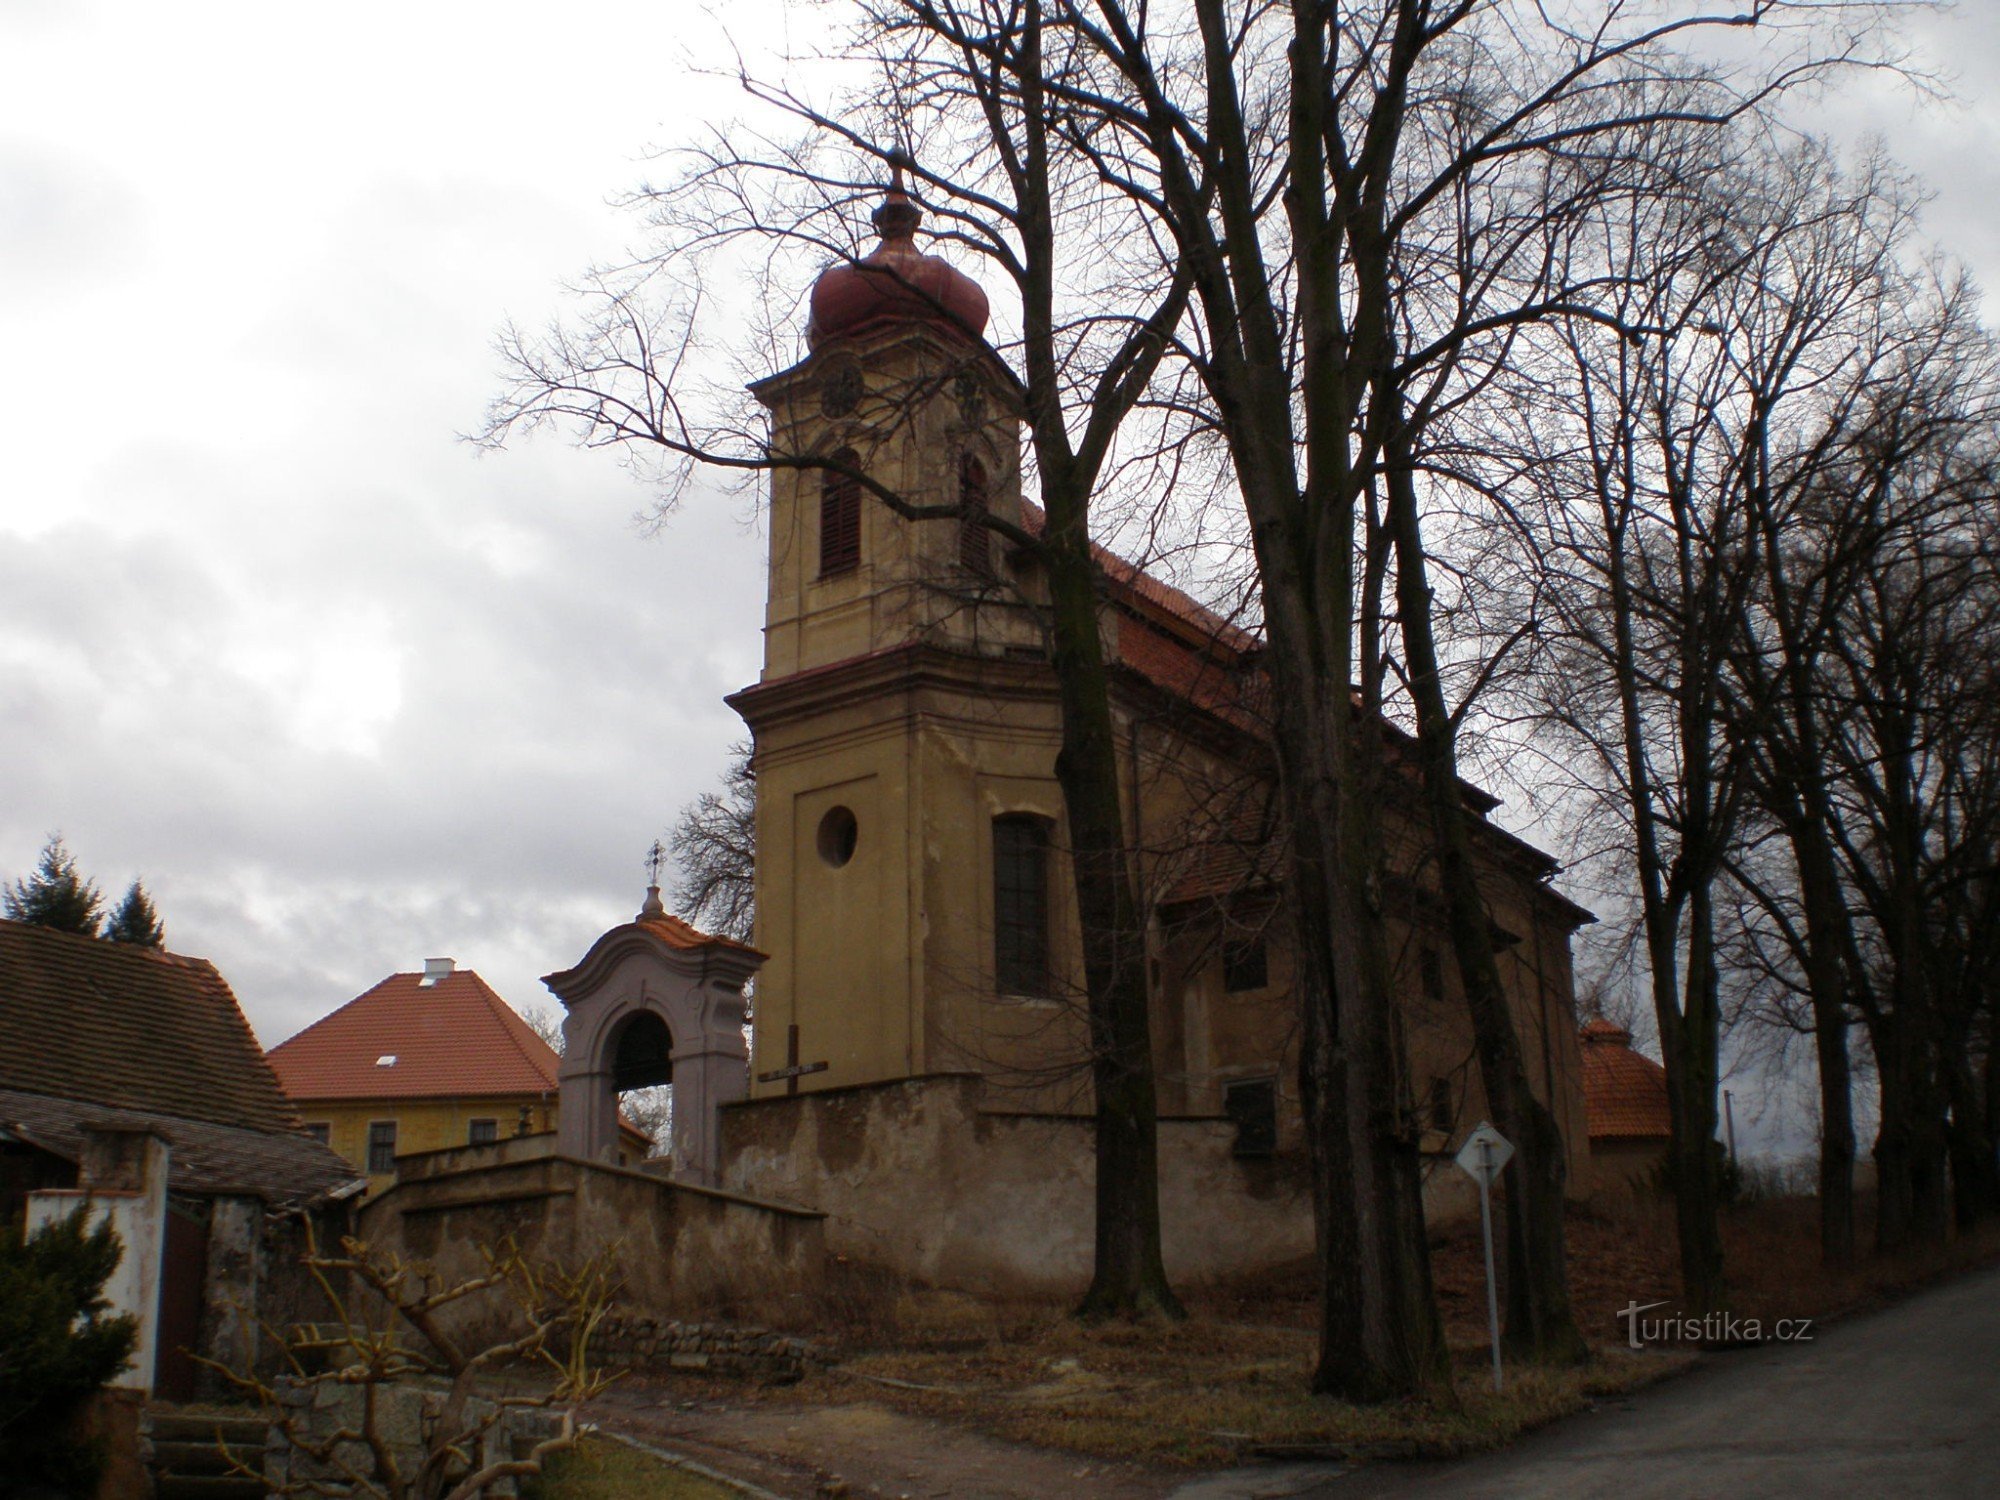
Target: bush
(59,1343)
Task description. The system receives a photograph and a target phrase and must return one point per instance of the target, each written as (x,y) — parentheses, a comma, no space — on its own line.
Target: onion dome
(896,282)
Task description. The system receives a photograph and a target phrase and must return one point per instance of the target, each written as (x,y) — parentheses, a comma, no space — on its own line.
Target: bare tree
(397,1334)
(1301,154)
(715,852)
(970,89)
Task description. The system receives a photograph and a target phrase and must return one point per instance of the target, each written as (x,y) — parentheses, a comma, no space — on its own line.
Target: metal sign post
(1485,1153)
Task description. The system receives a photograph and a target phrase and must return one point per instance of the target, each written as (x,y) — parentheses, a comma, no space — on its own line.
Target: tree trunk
(1691,1095)
(1129,1278)
(1541,1325)
(1975,1174)
(1826,922)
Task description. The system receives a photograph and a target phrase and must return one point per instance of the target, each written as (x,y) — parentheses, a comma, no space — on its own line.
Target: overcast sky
(346,693)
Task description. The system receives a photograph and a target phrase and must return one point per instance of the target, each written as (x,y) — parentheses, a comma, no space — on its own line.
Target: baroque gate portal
(655,1001)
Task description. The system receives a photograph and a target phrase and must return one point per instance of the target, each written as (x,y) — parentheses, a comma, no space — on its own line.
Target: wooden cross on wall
(793,1069)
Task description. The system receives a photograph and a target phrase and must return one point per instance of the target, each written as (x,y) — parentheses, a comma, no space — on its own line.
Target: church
(919,1048)
(914,1092)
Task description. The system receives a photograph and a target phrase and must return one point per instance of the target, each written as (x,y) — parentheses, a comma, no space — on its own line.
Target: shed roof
(119,1024)
(285,1168)
(1624,1092)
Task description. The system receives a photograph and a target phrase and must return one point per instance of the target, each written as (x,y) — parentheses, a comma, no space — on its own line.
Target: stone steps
(187,1460)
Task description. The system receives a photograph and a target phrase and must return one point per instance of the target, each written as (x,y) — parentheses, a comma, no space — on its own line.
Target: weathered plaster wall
(232,1294)
(915,1176)
(125,1180)
(679,1249)
(1626,1167)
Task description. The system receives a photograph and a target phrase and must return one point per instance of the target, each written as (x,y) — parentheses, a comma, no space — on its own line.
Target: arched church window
(975,546)
(1021,904)
(840,516)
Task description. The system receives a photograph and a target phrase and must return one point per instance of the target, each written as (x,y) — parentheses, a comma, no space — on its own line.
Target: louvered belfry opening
(840,515)
(975,551)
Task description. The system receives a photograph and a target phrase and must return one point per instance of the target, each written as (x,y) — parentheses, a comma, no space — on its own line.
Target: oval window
(837,835)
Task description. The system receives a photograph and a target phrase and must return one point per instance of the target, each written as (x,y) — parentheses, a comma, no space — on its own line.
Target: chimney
(434,970)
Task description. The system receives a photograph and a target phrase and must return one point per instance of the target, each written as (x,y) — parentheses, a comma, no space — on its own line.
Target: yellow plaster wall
(422,1124)
(885,964)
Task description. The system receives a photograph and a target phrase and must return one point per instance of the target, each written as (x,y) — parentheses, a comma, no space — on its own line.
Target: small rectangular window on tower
(975,546)
(840,515)
(1021,904)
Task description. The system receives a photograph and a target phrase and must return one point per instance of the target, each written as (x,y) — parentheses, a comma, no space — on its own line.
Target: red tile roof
(451,1039)
(675,933)
(115,1024)
(1624,1092)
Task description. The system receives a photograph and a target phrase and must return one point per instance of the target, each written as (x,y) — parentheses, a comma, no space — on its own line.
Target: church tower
(905,710)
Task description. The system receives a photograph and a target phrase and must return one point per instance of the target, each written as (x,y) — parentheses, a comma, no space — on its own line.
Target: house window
(320,1131)
(1021,904)
(975,548)
(382,1146)
(483,1132)
(1253,1107)
(1245,965)
(840,516)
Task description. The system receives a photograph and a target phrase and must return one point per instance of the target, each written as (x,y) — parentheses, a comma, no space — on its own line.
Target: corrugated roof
(132,1027)
(1624,1092)
(451,1039)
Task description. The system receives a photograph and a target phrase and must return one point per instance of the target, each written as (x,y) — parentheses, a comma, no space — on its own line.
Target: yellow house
(423,1062)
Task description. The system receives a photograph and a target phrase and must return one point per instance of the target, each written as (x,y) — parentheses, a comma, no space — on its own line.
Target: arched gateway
(655,1001)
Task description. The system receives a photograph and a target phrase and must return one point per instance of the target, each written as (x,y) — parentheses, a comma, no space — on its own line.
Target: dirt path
(810,1451)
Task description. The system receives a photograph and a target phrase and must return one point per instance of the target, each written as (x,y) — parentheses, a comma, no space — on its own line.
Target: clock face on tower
(840,388)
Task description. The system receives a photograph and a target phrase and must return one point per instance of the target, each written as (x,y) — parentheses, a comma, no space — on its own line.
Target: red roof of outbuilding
(451,1039)
(1624,1092)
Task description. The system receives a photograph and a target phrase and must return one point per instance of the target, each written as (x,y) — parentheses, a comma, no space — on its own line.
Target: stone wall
(679,1250)
(918,1177)
(637,1342)
(405,1416)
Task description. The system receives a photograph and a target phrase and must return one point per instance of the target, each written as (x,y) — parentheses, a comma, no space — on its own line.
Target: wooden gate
(183,1270)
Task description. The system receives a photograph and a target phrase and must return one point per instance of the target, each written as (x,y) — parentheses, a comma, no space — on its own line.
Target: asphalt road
(1902,1401)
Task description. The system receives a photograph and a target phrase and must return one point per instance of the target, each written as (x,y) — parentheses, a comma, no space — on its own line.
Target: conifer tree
(136,921)
(57,895)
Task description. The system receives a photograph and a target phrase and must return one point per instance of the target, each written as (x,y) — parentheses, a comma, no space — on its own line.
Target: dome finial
(895,282)
(897,218)
(656,857)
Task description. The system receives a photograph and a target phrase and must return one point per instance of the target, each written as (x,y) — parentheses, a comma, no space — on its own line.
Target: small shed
(1625,1106)
(130,1083)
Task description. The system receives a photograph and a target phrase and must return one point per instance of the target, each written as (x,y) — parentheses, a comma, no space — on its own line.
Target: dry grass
(1231,1381)
(1213,1389)
(597,1469)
